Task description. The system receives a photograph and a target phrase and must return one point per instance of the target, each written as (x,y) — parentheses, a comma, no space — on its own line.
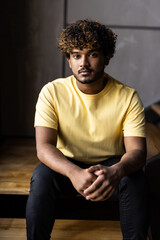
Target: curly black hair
(87,34)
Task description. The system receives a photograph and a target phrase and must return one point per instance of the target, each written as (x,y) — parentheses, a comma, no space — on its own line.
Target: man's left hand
(106,183)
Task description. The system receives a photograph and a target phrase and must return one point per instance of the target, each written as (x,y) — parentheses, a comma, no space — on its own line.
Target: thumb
(96,170)
(92,169)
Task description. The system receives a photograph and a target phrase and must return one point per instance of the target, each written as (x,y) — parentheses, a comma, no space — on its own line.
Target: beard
(90,79)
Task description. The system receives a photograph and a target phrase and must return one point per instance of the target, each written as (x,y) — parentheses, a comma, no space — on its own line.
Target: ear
(107,59)
(69,62)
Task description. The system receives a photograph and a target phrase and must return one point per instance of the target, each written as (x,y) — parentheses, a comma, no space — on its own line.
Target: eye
(76,56)
(94,54)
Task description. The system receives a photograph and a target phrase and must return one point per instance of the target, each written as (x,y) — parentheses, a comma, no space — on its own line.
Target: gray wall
(137,24)
(29,55)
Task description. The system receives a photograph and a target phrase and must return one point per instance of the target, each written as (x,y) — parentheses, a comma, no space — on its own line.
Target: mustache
(84,69)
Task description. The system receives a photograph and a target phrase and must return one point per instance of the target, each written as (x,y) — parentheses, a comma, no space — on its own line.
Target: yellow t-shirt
(90,127)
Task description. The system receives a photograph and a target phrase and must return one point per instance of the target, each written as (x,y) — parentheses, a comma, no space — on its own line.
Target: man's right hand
(82,179)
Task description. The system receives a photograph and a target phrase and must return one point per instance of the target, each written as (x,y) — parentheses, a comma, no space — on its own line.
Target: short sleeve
(134,120)
(46,115)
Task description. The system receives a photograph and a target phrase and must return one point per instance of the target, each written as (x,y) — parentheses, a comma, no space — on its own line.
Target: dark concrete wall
(29,59)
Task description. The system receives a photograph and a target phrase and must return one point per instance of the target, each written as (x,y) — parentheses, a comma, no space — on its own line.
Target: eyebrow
(74,52)
(90,51)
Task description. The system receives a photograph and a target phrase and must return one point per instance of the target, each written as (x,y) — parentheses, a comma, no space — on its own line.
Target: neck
(92,88)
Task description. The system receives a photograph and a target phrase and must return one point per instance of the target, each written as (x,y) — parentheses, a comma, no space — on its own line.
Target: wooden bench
(153,140)
(17,162)
(15,229)
(156,108)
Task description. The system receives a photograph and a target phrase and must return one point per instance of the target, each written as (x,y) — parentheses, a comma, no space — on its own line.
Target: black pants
(48,186)
(153,177)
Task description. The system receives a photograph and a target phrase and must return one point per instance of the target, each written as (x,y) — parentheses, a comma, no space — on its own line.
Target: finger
(98,172)
(94,186)
(99,193)
(104,196)
(108,195)
(94,168)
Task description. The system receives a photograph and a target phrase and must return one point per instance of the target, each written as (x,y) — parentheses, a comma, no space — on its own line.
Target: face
(87,65)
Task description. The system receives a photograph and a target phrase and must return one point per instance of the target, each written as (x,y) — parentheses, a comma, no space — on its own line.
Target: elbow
(144,158)
(39,152)
(38,155)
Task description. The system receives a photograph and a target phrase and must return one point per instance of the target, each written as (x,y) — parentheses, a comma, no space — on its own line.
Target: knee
(135,183)
(41,180)
(42,172)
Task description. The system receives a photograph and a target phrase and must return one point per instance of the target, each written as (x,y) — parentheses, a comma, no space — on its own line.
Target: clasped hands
(96,183)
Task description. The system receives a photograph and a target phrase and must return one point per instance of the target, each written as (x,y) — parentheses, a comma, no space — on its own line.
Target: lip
(85,72)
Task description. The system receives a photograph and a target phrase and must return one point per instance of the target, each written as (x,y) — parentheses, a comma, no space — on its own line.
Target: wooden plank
(65,230)
(17,162)
(12,229)
(87,229)
(15,229)
(156,108)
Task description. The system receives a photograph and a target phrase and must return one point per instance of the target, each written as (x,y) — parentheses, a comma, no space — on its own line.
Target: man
(83,123)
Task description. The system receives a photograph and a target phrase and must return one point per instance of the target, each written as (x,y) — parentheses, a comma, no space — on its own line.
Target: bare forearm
(46,140)
(131,162)
(54,159)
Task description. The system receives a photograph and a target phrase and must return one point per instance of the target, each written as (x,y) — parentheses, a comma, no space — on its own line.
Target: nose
(84,61)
